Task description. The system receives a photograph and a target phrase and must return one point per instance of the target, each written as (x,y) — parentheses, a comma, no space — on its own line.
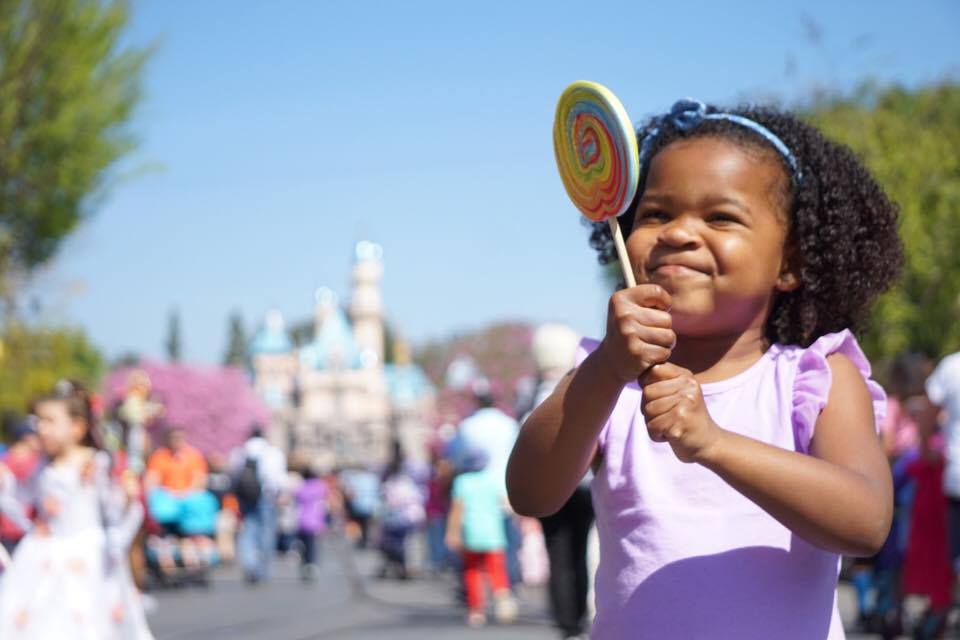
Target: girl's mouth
(676,271)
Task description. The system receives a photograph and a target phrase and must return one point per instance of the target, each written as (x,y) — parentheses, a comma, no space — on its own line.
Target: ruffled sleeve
(811,386)
(585,348)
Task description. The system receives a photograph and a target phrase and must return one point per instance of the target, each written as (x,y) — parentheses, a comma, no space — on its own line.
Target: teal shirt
(481,494)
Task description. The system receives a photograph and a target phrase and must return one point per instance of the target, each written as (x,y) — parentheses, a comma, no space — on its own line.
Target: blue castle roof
(272,336)
(333,344)
(407,383)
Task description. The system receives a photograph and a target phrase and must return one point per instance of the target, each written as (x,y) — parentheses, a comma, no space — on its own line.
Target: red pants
(475,564)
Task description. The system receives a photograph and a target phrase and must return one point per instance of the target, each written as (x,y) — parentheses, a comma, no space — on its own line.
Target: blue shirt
(482,502)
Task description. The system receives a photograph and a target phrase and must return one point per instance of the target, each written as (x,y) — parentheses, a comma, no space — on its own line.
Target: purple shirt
(682,553)
(311,498)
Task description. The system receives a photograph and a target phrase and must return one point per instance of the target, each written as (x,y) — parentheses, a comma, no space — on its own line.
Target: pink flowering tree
(215,406)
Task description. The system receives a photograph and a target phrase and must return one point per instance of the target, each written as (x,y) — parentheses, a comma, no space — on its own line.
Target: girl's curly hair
(842,227)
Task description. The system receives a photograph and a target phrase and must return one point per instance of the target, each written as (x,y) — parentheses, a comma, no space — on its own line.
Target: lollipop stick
(622,252)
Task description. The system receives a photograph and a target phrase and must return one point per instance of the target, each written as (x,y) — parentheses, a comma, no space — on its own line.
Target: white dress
(70,579)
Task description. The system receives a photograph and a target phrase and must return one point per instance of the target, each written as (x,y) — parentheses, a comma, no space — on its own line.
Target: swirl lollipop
(596,151)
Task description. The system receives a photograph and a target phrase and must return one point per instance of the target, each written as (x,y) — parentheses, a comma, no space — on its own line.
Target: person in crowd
(475,529)
(259,470)
(69,576)
(437,507)
(402,513)
(219,484)
(927,570)
(22,459)
(943,392)
(728,412)
(492,431)
(565,532)
(311,502)
(176,485)
(288,515)
(361,489)
(177,467)
(878,579)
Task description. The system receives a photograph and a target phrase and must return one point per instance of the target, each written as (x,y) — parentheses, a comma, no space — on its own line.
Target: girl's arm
(120,508)
(559,439)
(453,538)
(839,498)
(9,505)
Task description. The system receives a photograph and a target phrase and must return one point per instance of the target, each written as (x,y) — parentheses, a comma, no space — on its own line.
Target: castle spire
(366,306)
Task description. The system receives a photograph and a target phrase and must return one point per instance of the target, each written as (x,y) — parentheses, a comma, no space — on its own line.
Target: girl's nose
(680,233)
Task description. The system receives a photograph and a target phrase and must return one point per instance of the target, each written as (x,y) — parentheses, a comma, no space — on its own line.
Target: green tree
(68,89)
(33,359)
(909,140)
(172,343)
(238,354)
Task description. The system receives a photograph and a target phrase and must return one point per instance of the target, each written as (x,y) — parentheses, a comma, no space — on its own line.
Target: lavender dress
(683,554)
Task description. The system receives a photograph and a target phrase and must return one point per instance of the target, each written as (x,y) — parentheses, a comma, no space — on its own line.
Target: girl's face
(710,228)
(58,430)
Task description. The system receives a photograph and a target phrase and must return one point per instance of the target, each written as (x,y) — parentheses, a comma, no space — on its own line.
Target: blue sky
(274,135)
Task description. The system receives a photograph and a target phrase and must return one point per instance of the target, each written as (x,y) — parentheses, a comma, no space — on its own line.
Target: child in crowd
(311,502)
(475,528)
(69,577)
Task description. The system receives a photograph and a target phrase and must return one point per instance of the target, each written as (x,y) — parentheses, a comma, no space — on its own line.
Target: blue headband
(687,115)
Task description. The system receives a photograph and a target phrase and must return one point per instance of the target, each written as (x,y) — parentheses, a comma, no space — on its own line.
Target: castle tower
(366,307)
(325,301)
(274,364)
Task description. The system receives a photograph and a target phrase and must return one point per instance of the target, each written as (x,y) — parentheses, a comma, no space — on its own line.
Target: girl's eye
(722,218)
(652,215)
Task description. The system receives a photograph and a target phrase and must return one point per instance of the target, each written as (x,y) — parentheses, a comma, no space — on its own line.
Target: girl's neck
(718,357)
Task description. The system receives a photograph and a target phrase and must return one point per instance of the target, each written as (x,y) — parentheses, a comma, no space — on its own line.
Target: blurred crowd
(79,482)
(184,513)
(909,585)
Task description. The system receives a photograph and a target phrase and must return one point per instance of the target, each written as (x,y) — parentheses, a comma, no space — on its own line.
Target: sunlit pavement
(345,601)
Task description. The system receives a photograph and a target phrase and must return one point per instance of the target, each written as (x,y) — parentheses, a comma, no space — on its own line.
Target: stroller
(181,548)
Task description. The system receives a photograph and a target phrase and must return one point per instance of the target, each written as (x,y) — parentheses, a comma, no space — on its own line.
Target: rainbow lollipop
(596,151)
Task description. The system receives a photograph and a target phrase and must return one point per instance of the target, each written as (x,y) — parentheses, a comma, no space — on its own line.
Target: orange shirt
(185,471)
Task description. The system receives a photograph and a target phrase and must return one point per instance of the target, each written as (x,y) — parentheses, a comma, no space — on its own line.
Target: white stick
(622,252)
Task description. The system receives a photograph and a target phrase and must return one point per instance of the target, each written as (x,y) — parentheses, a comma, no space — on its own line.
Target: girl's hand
(454,543)
(673,407)
(639,333)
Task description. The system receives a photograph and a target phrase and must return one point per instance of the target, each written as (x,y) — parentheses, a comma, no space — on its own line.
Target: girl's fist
(675,412)
(639,333)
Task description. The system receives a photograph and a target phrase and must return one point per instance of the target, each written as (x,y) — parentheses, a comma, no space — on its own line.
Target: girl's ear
(787,281)
(789,278)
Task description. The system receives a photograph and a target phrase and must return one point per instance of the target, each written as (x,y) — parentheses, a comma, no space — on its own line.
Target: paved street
(345,602)
(340,604)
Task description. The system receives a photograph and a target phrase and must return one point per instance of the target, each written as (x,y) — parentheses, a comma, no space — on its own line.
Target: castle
(334,401)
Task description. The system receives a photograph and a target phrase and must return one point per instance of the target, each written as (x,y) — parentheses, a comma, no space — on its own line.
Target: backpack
(247,487)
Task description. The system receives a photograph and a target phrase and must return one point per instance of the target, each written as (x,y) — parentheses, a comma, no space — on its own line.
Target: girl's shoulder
(812,378)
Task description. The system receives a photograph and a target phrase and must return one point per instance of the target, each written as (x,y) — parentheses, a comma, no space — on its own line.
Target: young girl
(475,529)
(728,410)
(311,500)
(69,576)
